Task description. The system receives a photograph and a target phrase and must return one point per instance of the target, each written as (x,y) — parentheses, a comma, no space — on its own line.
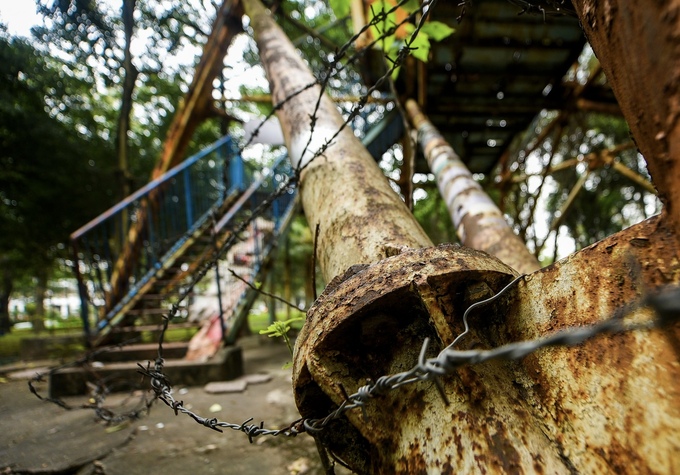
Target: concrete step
(143,352)
(226,365)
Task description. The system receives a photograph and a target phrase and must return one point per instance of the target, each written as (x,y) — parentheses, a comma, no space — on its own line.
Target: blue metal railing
(171,208)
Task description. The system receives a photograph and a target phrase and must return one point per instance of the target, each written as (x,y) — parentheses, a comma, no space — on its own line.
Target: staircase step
(143,352)
(226,365)
(147,311)
(165,296)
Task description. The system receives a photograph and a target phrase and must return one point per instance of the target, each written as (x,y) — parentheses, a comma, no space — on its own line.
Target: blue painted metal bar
(142,192)
(181,199)
(187,197)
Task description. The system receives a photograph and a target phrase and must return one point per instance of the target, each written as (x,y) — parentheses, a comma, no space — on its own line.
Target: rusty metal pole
(636,44)
(478,221)
(362,220)
(608,405)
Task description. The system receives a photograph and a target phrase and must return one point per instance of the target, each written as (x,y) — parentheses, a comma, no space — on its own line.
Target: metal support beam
(609,405)
(196,107)
(478,221)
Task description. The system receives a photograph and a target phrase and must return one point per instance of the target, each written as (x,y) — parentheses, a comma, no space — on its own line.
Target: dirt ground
(40,437)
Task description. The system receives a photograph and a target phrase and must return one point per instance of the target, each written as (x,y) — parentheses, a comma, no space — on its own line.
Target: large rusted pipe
(478,221)
(362,220)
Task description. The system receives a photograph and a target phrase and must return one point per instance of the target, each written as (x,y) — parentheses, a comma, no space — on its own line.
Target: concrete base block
(227,364)
(143,352)
(38,348)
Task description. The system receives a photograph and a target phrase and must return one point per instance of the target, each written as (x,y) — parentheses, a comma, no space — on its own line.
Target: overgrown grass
(10,344)
(178,334)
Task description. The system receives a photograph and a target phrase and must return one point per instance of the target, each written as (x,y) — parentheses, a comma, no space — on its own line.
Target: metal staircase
(134,260)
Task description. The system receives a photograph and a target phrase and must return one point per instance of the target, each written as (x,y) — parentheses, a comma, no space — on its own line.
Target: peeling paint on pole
(478,221)
(362,220)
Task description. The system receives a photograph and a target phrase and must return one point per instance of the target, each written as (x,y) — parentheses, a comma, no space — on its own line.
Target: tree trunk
(362,220)
(38,318)
(478,221)
(126,99)
(6,287)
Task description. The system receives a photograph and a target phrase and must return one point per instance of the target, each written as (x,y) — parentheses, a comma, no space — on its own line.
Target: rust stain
(373,322)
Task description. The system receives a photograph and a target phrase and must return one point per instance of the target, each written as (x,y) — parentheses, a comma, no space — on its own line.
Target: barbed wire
(100,388)
(291,182)
(665,304)
(159,383)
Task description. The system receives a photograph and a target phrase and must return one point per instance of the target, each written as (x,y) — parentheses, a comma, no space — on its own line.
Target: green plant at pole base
(281,329)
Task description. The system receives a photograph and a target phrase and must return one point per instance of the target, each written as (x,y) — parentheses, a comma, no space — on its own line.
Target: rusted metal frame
(598,407)
(596,160)
(588,105)
(191,112)
(359,23)
(610,404)
(572,162)
(563,114)
(267,99)
(478,221)
(608,157)
(564,209)
(125,306)
(228,204)
(635,43)
(545,133)
(633,176)
(195,106)
(501,417)
(148,196)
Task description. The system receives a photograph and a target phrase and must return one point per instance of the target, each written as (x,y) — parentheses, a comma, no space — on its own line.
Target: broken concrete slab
(237,385)
(218,387)
(258,378)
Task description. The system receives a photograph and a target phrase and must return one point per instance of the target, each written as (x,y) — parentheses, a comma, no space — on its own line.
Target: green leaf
(421,43)
(437,30)
(341,8)
(411,6)
(378,28)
